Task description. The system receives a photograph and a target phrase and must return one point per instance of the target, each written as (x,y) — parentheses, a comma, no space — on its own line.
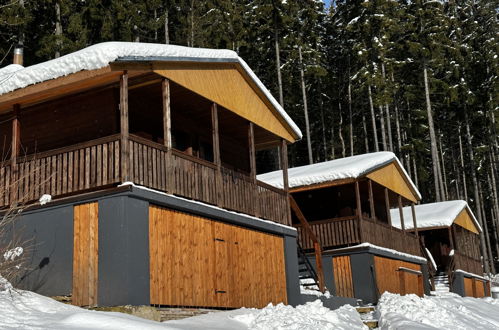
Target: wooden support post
(317,245)
(359,208)
(285,182)
(387,206)
(414,222)
(371,199)
(252,159)
(451,239)
(167,134)
(401,212)
(216,153)
(15,148)
(125,154)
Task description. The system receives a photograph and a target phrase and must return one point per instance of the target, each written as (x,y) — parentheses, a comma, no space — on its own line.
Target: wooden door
(85,254)
(199,262)
(342,272)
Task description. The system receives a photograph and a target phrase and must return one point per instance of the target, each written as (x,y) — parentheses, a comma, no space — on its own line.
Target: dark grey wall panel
(123,252)
(292,276)
(363,277)
(50,264)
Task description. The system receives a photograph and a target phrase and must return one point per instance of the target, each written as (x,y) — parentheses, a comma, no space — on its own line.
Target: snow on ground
(448,311)
(27,310)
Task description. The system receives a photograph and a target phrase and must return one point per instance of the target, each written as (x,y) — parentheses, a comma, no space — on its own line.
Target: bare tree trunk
(457,176)
(388,116)
(397,123)
(483,244)
(494,189)
(382,122)
(58,29)
(415,171)
(278,65)
(167,31)
(340,133)
(461,157)
(350,117)
(442,174)
(433,139)
(493,212)
(333,152)
(364,127)
(323,124)
(486,228)
(373,119)
(191,28)
(305,107)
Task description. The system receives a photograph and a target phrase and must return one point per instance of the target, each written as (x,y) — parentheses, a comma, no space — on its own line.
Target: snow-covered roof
(344,168)
(441,214)
(101,55)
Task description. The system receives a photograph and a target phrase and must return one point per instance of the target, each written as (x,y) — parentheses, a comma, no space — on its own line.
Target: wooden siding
(391,177)
(342,272)
(474,287)
(391,277)
(200,262)
(340,232)
(85,254)
(469,290)
(223,84)
(464,220)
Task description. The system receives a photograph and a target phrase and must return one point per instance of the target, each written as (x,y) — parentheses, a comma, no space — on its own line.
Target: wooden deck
(98,164)
(348,231)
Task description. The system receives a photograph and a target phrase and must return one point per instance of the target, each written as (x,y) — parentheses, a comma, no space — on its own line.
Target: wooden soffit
(228,85)
(464,220)
(392,177)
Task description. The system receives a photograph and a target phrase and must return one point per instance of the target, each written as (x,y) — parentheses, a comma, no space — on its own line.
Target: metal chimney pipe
(18,55)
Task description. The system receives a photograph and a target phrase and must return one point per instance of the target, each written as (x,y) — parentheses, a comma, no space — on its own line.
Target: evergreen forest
(416,77)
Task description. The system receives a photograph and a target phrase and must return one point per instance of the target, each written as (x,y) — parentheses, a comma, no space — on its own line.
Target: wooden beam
(401,212)
(387,205)
(371,199)
(15,148)
(414,222)
(167,123)
(323,185)
(358,208)
(252,160)
(451,239)
(285,179)
(124,131)
(216,152)
(317,245)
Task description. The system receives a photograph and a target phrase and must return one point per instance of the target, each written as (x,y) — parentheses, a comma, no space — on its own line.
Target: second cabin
(342,210)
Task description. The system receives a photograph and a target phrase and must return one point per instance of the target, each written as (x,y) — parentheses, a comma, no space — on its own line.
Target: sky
(327,2)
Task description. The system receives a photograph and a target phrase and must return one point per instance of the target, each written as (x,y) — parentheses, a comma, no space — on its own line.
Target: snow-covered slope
(27,310)
(101,55)
(442,312)
(337,169)
(440,214)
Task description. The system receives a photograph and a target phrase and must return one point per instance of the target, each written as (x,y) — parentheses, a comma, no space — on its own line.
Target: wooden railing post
(387,206)
(414,222)
(317,245)
(216,153)
(124,141)
(16,146)
(167,134)
(401,212)
(359,208)
(252,159)
(285,182)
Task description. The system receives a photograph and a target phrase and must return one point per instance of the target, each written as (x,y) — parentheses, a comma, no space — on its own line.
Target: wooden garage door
(342,272)
(395,276)
(85,254)
(199,262)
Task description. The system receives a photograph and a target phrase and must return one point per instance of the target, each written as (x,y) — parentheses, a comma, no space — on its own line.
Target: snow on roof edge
(380,248)
(101,55)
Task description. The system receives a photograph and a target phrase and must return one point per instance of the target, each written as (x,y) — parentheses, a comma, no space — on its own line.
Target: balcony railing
(348,231)
(96,164)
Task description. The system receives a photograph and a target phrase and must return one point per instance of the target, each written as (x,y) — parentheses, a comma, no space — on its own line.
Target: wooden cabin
(342,211)
(148,152)
(451,233)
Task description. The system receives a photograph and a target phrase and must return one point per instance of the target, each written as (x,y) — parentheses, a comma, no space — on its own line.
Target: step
(365,309)
(371,324)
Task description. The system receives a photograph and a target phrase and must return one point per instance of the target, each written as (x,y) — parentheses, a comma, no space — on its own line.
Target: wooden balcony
(100,163)
(348,231)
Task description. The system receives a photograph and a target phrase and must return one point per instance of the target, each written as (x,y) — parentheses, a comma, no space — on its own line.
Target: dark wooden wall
(69,120)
